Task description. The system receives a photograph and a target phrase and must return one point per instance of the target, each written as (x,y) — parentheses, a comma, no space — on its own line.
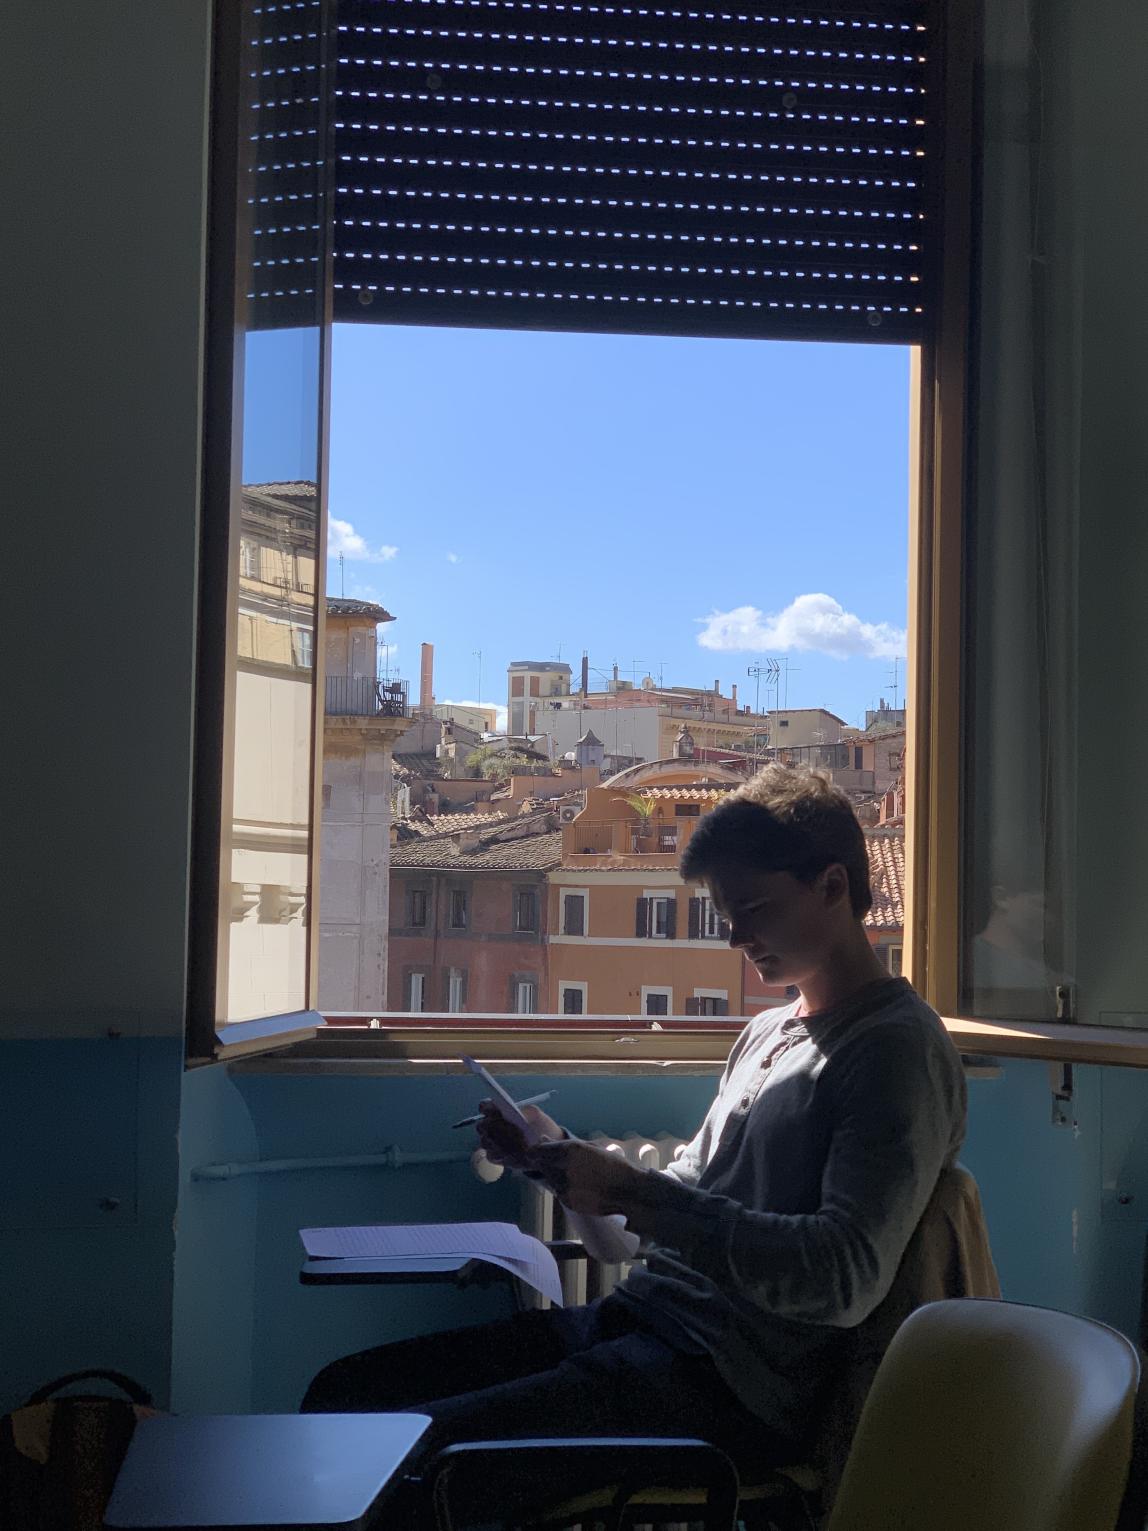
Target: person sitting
(774,1232)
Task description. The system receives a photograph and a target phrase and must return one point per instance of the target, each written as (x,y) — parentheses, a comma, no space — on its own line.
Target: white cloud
(343,538)
(816,623)
(500,721)
(453,558)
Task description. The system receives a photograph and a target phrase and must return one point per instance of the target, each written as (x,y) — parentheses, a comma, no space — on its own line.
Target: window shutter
(695,919)
(642,917)
(723,927)
(671,918)
(693,1005)
(737,171)
(721,1006)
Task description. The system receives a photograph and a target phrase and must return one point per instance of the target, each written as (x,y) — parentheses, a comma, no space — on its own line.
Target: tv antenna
(896,683)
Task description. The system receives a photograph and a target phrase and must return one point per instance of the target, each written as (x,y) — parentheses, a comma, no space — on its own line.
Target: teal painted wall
(1060,1235)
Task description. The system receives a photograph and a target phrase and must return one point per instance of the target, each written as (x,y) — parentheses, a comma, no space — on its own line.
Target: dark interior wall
(105,128)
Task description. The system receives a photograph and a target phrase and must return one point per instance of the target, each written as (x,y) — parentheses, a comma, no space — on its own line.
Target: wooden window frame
(939,414)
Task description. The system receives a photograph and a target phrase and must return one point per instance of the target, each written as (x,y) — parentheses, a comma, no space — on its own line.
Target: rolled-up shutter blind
(289,51)
(710,169)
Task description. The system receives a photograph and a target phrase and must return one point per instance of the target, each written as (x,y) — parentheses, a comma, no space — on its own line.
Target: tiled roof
(887,878)
(533,853)
(454,823)
(343,606)
(685,794)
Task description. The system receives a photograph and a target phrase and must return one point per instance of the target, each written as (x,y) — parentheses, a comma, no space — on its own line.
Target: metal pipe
(392,1158)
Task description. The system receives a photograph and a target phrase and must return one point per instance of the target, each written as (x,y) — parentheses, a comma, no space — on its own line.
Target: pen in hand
(533,1100)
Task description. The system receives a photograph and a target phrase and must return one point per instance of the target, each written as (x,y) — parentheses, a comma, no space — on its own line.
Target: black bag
(59,1456)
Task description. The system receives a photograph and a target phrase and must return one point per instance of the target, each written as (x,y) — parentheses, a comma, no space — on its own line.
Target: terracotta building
(469,915)
(628,936)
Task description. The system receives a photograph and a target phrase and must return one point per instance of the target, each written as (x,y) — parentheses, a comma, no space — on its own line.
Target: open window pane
(542,798)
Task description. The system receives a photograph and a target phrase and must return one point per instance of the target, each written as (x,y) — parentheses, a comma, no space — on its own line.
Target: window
(656,1001)
(572,998)
(667,838)
(525,996)
(456,991)
(656,916)
(687,810)
(417,907)
(302,642)
(894,957)
(706,924)
(249,559)
(525,909)
(415,1001)
(575,911)
(458,909)
(711,1002)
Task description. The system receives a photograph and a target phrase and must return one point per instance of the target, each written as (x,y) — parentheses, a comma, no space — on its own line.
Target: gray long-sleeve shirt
(782,1224)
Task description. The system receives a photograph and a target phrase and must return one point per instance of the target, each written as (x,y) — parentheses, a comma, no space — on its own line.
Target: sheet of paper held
(501,1244)
(607,1238)
(507,1105)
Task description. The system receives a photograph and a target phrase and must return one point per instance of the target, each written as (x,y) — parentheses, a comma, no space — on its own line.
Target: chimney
(733,689)
(426,678)
(717,687)
(585,674)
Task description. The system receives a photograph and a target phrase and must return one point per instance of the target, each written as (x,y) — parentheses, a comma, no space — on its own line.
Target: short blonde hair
(784,820)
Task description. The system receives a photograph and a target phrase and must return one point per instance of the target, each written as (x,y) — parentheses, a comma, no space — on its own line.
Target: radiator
(583,1280)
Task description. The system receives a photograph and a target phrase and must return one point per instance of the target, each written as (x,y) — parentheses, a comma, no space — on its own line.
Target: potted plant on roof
(644,807)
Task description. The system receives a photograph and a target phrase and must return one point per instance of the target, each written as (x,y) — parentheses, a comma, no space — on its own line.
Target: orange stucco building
(628,937)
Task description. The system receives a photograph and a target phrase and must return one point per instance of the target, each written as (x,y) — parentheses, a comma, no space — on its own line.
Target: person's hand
(502,1140)
(586,1178)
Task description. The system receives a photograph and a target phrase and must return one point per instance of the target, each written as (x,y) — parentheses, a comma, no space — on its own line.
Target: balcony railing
(361,697)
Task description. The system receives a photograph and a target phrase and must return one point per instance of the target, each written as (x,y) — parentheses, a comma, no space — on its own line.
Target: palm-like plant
(644,807)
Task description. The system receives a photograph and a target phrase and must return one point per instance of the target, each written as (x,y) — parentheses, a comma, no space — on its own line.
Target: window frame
(938,451)
(713,994)
(454,893)
(521,891)
(584,895)
(655,990)
(573,986)
(413,893)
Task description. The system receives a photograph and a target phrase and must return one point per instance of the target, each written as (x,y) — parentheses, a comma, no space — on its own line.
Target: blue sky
(680,507)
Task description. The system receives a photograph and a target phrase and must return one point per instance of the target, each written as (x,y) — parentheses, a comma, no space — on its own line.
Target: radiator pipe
(392,1158)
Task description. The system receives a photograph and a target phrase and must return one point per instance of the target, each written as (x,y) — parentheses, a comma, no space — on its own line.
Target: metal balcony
(355,696)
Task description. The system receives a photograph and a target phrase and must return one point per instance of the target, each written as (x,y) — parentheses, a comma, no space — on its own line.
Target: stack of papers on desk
(499,1244)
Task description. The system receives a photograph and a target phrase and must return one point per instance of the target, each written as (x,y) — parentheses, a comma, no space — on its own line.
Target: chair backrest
(947,1256)
(991,1416)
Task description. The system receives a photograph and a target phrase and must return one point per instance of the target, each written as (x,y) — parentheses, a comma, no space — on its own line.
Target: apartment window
(458,909)
(417,908)
(667,838)
(894,956)
(656,916)
(525,910)
(572,998)
(516,685)
(303,647)
(417,991)
(525,996)
(710,1002)
(456,991)
(656,1001)
(706,924)
(249,559)
(687,810)
(575,911)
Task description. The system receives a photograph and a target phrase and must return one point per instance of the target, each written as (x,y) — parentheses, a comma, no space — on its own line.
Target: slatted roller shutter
(718,169)
(289,51)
